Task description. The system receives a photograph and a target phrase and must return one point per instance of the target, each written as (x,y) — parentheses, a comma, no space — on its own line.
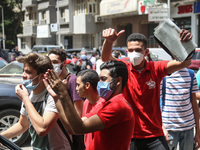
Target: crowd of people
(119,105)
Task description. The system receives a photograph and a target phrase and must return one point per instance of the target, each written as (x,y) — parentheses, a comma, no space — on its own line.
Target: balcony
(29,27)
(63,21)
(29,23)
(29,3)
(84,24)
(42,22)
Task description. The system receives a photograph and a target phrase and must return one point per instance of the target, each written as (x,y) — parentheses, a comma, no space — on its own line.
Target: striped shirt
(177,114)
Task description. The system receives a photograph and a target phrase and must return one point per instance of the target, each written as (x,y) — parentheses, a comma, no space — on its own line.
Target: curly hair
(39,62)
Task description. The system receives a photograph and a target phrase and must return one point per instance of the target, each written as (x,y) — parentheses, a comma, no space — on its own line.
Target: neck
(39,89)
(93,97)
(140,66)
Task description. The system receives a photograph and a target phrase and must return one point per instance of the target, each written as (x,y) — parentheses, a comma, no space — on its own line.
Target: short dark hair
(39,62)
(90,76)
(137,37)
(60,52)
(117,69)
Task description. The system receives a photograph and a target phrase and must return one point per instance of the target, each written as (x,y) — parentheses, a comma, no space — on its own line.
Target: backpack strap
(191,72)
(65,132)
(162,100)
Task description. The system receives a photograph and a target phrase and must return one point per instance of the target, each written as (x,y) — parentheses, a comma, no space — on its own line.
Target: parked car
(11,72)
(195,62)
(43,49)
(122,51)
(159,54)
(10,104)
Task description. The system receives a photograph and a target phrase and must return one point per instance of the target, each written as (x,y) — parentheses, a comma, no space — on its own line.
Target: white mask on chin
(56,68)
(135,58)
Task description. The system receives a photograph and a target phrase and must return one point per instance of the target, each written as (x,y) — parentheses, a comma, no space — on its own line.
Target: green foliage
(13,17)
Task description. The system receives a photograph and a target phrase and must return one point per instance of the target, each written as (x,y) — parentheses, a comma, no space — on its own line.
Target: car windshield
(2,63)
(49,48)
(12,68)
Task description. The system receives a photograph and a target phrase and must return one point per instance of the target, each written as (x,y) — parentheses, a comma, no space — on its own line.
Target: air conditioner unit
(99,19)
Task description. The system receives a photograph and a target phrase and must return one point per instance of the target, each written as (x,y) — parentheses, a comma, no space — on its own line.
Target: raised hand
(54,85)
(185,35)
(111,35)
(21,92)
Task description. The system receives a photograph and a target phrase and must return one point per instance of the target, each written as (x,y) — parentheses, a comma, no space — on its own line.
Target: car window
(12,69)
(2,63)
(196,55)
(38,48)
(49,48)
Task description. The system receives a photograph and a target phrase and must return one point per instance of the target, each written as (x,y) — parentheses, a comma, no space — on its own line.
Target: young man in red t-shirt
(143,87)
(113,122)
(87,88)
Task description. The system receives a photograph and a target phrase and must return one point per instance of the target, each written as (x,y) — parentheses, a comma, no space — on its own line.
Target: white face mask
(135,58)
(56,68)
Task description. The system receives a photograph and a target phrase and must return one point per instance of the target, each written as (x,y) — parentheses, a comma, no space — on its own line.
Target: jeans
(156,143)
(184,138)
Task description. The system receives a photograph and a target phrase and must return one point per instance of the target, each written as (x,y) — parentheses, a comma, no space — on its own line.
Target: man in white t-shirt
(38,110)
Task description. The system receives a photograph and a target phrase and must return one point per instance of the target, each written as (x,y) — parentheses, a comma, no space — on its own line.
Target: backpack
(77,142)
(162,100)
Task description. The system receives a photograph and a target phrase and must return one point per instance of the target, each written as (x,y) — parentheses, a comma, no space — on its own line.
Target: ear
(146,51)
(119,81)
(87,85)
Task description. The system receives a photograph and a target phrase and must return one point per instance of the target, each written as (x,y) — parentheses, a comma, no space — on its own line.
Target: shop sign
(196,7)
(185,9)
(157,14)
(142,8)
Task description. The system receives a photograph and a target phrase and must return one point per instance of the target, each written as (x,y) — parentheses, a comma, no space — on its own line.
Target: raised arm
(110,36)
(41,124)
(78,126)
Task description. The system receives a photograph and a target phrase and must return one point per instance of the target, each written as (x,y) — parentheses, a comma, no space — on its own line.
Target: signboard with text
(157,14)
(43,31)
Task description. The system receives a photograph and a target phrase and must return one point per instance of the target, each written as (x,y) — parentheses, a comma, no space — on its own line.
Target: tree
(13,16)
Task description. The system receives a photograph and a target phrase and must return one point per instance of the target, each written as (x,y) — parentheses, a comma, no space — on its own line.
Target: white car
(159,54)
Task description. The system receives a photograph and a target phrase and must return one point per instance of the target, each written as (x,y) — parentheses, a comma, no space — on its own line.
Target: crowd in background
(116,104)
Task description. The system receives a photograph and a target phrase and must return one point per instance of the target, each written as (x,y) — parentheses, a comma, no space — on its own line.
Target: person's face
(104,76)
(80,87)
(54,59)
(16,48)
(136,46)
(29,73)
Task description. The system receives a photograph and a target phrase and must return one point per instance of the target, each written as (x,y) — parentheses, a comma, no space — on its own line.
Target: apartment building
(81,22)
(78,25)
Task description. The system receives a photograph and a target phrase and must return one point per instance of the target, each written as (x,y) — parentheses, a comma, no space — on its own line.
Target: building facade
(79,23)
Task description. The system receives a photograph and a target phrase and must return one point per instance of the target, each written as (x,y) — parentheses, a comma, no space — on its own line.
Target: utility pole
(3,31)
(58,22)
(168,3)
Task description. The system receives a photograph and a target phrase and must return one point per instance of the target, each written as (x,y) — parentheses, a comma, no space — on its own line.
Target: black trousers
(155,143)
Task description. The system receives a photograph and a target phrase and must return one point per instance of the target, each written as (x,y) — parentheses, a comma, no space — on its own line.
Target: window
(23,43)
(80,6)
(44,15)
(91,6)
(183,23)
(62,12)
